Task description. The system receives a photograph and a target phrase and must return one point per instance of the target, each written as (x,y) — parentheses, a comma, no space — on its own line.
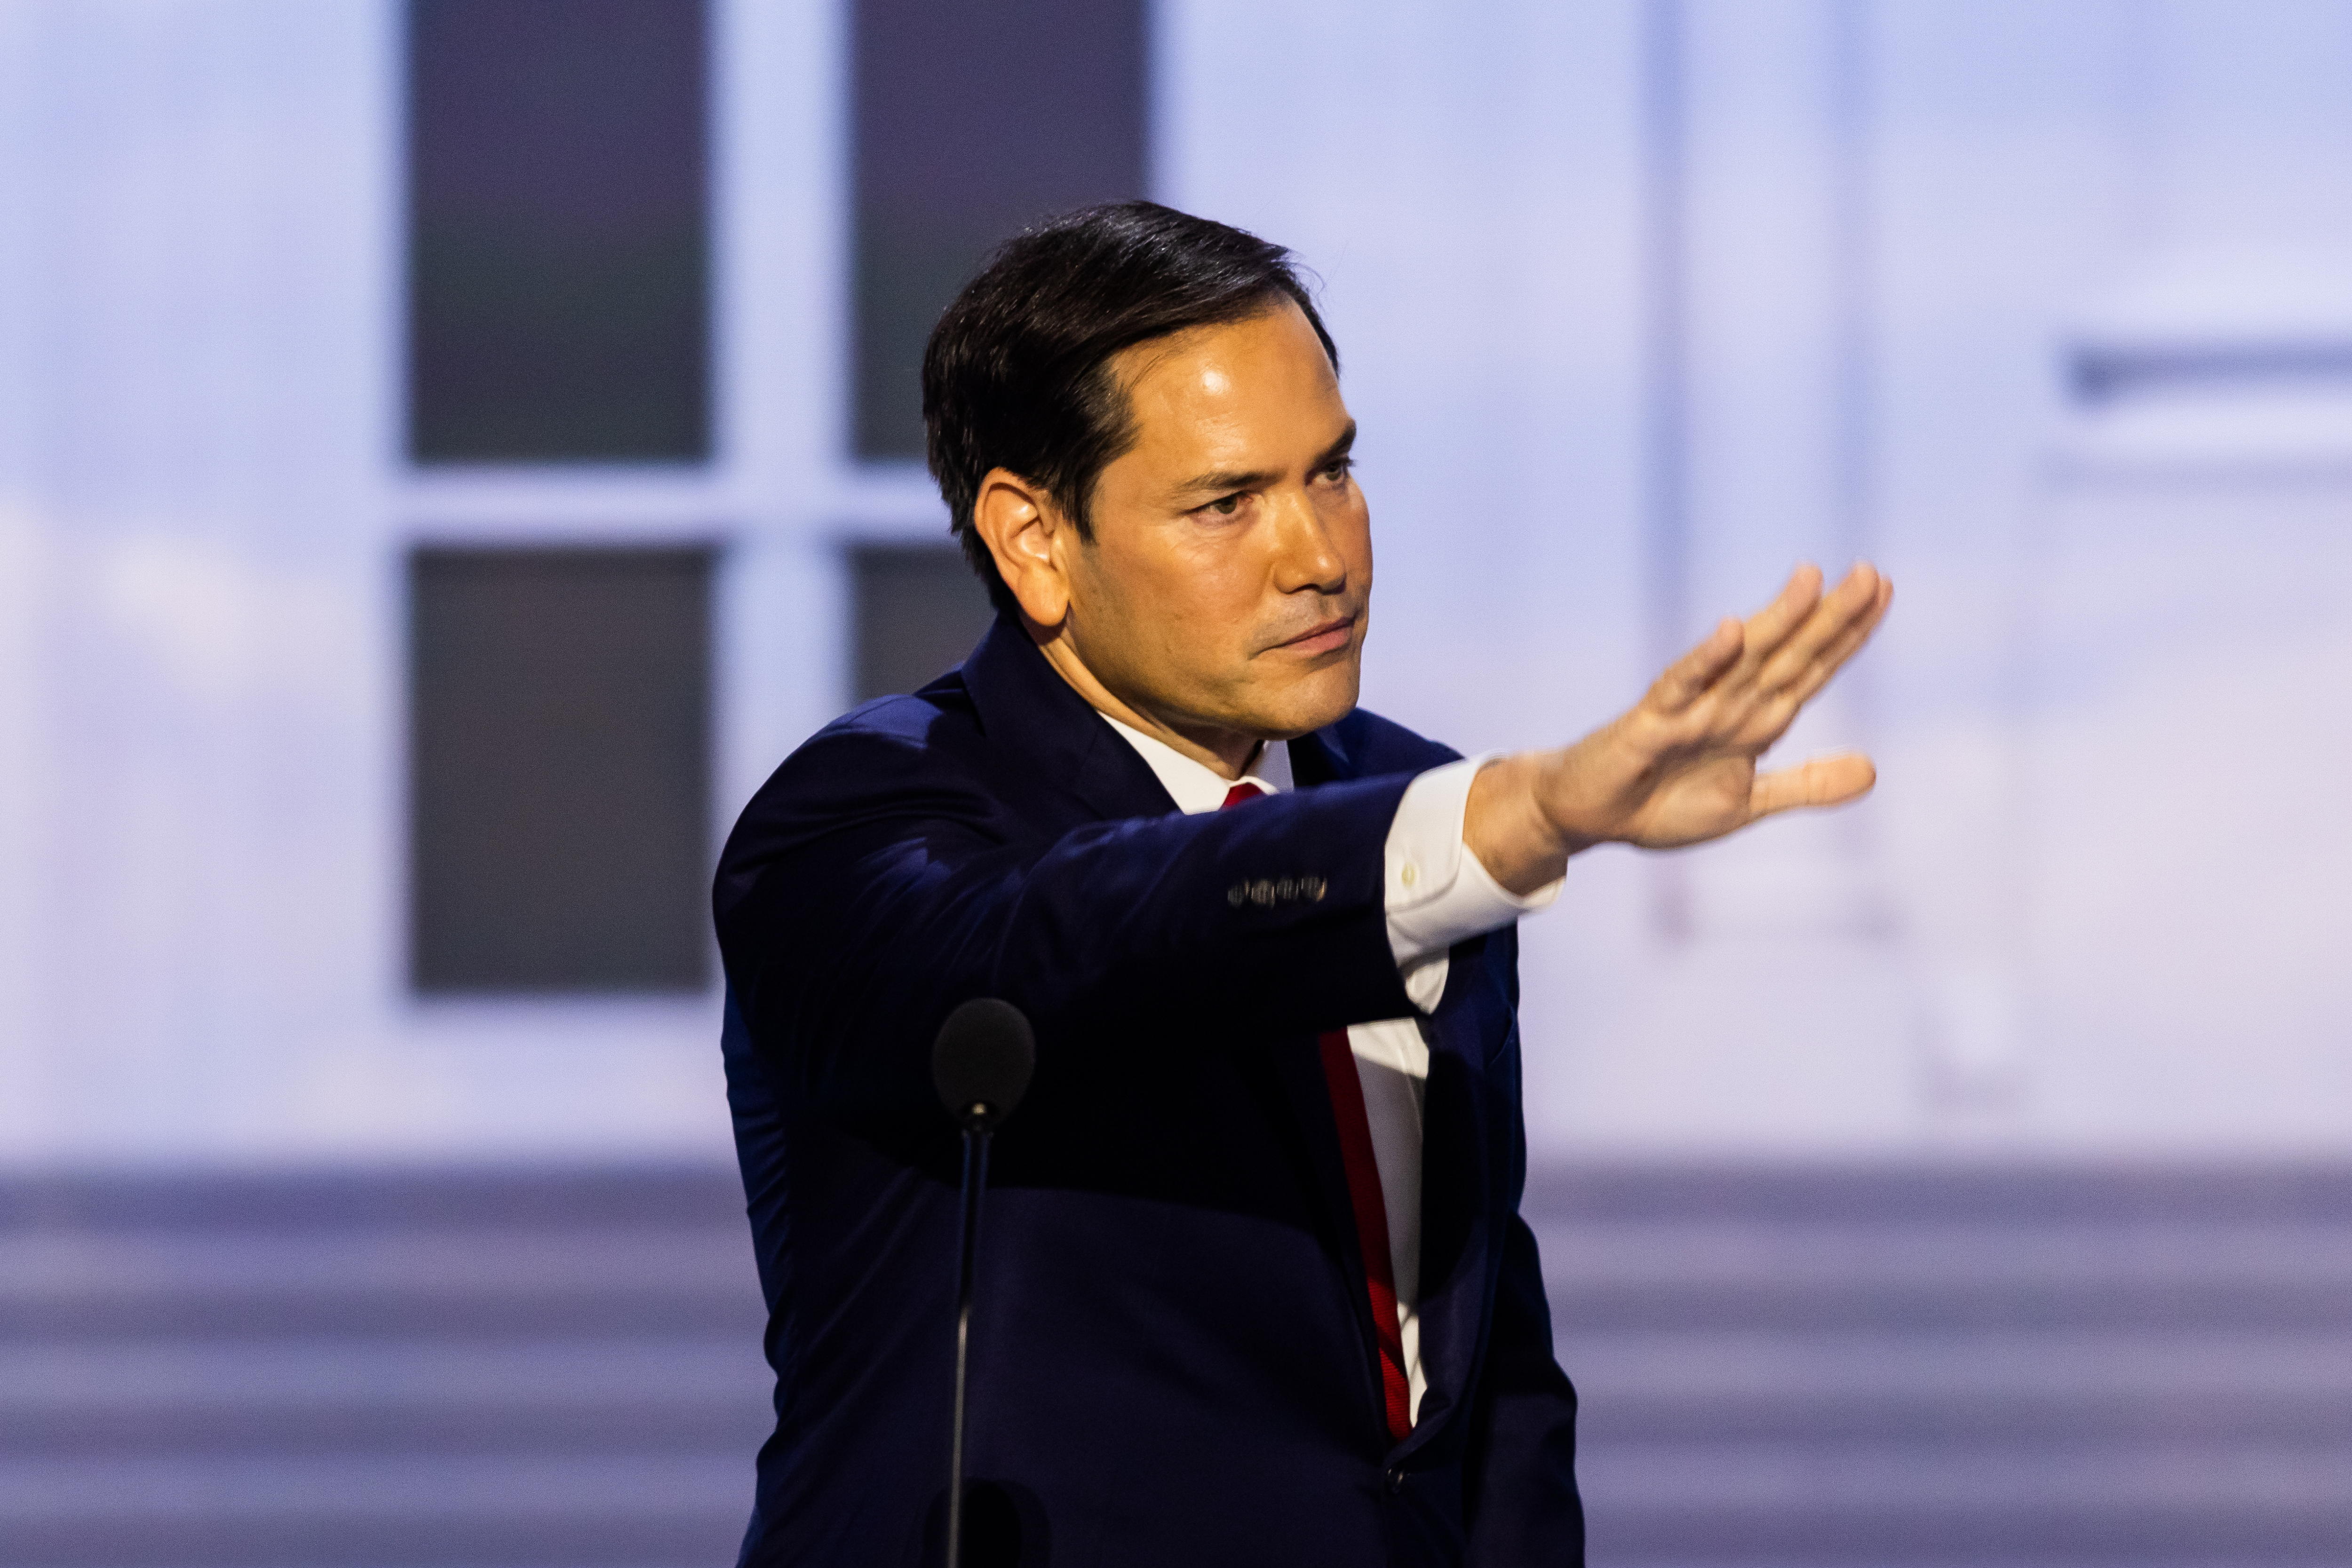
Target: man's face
(1226,589)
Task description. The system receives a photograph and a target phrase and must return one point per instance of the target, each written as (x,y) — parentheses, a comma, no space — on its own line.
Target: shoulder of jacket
(934,726)
(879,753)
(1377,746)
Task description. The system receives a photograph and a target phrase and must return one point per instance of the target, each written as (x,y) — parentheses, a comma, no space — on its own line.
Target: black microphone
(980,1066)
(982,1061)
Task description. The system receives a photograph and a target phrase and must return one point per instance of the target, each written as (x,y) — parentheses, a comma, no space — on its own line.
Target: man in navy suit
(1256,1290)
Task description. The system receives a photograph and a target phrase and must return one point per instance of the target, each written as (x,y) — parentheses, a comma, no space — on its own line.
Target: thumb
(1829,781)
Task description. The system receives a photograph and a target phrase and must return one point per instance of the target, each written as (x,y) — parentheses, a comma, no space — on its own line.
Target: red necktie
(1364,1194)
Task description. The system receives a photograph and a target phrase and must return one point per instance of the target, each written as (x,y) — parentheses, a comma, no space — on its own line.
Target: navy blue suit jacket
(1173,1359)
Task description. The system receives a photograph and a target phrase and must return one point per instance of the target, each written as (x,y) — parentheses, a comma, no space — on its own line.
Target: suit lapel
(1298,1072)
(1322,758)
(1457,1157)
(1037,724)
(1456,1178)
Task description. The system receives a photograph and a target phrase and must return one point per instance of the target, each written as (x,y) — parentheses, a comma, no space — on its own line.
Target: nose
(1305,559)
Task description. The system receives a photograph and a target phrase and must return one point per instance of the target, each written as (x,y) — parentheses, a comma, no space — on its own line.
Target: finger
(1767,715)
(1790,608)
(1849,643)
(1774,697)
(1830,781)
(1689,677)
(1851,602)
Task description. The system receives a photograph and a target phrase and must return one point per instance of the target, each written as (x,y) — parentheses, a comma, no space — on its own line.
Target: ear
(1017,521)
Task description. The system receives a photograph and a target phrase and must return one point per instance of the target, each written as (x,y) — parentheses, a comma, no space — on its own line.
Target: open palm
(1680,766)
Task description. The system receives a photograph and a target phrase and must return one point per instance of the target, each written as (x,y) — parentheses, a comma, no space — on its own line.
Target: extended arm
(865,895)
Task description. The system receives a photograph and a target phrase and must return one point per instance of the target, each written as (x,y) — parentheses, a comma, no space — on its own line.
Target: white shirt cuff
(1437,892)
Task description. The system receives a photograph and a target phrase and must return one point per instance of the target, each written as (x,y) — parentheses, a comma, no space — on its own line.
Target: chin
(1320,697)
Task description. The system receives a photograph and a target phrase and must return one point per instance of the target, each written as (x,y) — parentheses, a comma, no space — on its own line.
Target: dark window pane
(559,769)
(558,300)
(919,611)
(974,117)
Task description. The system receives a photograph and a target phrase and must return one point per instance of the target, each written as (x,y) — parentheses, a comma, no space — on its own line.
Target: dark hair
(1017,373)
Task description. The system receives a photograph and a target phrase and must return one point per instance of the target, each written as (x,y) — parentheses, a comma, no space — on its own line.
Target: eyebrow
(1225,479)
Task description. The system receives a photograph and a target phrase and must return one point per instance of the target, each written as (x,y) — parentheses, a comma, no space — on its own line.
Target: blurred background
(451,450)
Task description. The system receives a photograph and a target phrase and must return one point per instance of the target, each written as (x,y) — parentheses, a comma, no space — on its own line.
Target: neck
(1226,752)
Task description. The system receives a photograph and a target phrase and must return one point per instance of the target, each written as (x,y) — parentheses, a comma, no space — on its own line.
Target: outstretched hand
(1680,766)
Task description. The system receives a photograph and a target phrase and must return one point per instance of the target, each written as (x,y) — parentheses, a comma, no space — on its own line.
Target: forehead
(1261,381)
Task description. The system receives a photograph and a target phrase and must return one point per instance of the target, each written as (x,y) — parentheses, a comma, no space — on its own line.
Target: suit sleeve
(868,891)
(1524,1506)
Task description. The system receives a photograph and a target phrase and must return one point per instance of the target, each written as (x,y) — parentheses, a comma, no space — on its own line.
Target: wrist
(1507,826)
(1550,796)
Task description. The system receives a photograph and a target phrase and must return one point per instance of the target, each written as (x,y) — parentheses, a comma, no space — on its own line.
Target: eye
(1224,505)
(1337,470)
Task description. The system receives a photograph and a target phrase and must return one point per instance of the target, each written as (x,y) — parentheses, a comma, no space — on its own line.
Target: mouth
(1326,637)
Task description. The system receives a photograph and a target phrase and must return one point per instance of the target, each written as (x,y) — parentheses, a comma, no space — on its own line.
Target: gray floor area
(1881,1367)
(458,1369)
(1800,1369)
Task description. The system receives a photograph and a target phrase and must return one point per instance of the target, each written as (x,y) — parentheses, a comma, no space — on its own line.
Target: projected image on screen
(559,769)
(558,292)
(937,186)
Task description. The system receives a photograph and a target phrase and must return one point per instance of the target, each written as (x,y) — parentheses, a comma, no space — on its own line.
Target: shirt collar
(1194,786)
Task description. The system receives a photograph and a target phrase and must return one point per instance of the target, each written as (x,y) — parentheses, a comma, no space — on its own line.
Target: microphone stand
(976,1131)
(981,1065)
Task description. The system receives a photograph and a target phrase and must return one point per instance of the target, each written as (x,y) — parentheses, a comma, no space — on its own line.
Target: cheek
(1354,533)
(1214,581)
(1175,608)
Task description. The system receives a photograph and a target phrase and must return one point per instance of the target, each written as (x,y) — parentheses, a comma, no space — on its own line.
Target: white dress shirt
(1437,895)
